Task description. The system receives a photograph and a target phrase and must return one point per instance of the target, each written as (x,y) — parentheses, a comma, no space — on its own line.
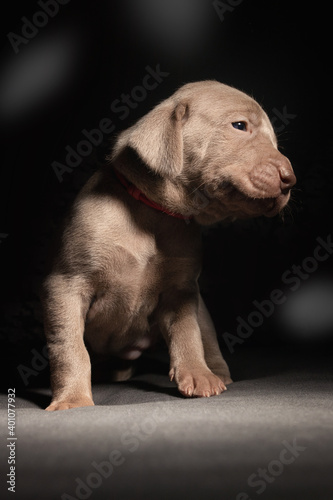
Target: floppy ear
(157,138)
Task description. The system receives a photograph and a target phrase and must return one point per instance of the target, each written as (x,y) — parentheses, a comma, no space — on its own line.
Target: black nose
(287,177)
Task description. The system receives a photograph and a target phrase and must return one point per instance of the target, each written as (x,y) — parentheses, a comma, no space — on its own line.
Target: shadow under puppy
(128,262)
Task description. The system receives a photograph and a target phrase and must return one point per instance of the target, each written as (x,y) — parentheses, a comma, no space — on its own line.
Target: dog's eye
(240,126)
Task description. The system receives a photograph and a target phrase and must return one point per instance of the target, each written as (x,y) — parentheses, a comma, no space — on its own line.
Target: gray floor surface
(270,436)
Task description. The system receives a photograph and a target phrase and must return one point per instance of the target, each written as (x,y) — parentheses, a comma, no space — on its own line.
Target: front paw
(224,376)
(67,404)
(200,382)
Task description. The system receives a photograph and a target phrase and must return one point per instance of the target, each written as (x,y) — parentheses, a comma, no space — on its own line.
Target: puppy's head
(219,146)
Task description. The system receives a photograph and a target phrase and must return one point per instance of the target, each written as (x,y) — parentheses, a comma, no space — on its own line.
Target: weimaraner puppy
(126,270)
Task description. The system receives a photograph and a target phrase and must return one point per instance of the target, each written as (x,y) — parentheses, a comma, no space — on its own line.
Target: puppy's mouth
(239,201)
(278,205)
(230,202)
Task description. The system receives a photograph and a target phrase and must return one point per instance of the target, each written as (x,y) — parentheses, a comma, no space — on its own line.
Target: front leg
(180,328)
(213,355)
(64,313)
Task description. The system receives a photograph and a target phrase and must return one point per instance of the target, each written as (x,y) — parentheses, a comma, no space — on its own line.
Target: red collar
(138,195)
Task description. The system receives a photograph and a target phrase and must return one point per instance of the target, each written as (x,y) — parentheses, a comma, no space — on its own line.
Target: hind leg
(111,368)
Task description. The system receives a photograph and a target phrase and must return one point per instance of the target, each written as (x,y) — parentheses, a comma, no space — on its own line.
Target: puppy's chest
(132,281)
(139,280)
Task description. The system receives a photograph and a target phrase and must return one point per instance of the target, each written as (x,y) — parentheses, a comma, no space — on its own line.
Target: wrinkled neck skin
(177,194)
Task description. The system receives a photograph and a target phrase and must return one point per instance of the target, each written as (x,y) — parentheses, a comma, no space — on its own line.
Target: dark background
(86,56)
